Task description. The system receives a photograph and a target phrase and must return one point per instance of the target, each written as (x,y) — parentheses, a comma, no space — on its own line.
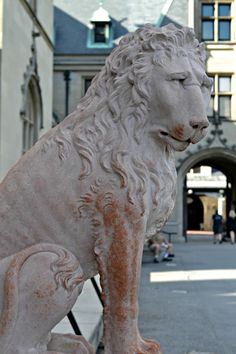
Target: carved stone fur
(104,178)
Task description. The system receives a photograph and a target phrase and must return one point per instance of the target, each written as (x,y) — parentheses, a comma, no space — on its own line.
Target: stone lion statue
(81,201)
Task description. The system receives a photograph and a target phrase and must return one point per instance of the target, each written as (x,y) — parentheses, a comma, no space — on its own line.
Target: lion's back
(39,198)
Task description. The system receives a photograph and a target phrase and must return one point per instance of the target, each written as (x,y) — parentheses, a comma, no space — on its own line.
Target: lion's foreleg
(119,255)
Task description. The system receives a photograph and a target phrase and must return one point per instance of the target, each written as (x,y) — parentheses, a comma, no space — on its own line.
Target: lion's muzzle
(200,129)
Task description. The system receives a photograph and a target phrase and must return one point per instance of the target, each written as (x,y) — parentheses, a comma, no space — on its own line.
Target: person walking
(217,226)
(231,225)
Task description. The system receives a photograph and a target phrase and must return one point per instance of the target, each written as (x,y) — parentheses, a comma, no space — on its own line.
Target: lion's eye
(179,77)
(181,81)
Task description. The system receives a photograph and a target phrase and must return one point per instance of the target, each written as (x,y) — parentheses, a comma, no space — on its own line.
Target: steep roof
(72,20)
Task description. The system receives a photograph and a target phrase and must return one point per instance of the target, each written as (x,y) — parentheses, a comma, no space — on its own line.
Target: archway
(195,212)
(207,191)
(221,159)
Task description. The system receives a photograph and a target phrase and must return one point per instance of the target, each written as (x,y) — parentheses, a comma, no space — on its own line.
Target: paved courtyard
(189,304)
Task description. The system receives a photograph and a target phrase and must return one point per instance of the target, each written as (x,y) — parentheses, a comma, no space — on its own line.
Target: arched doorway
(218,158)
(195,212)
(207,191)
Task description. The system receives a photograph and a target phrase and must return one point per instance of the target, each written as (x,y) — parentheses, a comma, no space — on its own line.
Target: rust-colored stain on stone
(118,253)
(45,292)
(178,131)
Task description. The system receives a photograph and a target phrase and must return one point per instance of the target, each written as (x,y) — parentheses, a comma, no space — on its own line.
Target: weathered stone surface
(83,198)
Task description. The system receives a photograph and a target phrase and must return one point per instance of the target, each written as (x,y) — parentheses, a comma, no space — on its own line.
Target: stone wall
(16,62)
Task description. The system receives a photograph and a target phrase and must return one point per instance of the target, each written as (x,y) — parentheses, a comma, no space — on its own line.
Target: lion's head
(154,83)
(154,80)
(180,91)
(149,100)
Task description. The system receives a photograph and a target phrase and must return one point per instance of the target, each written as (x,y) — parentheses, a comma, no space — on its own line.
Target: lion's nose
(199,124)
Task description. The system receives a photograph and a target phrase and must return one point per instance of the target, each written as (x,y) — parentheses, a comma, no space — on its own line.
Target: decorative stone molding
(31,77)
(31,111)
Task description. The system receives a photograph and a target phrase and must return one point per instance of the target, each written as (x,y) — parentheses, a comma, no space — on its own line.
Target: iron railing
(71,316)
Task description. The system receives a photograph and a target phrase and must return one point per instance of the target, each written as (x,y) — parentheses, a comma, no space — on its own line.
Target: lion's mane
(113,114)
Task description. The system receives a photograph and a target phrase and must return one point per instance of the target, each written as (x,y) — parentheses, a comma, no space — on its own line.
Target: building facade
(214,23)
(26,62)
(86,32)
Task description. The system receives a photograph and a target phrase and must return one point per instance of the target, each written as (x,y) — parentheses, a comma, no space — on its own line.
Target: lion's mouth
(172,137)
(177,144)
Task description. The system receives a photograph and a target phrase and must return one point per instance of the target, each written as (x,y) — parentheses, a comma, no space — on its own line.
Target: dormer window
(100,32)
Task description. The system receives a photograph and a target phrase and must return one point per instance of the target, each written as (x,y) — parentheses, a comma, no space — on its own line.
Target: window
(87,83)
(220,104)
(208,22)
(30,131)
(30,120)
(31,111)
(216,21)
(100,33)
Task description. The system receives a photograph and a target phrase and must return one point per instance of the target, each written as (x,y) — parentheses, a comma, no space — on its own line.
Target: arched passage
(195,215)
(219,158)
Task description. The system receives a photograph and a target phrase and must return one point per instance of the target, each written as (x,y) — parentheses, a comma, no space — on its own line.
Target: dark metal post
(73,323)
(185,210)
(67,91)
(97,289)
(70,315)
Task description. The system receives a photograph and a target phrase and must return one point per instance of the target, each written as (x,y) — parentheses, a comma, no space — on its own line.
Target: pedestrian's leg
(220,238)
(170,250)
(157,250)
(214,238)
(166,253)
(232,236)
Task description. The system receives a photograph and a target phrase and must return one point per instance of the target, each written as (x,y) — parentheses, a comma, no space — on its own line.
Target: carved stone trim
(32,80)
(37,23)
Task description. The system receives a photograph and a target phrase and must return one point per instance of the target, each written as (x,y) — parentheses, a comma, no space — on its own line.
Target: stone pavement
(189,304)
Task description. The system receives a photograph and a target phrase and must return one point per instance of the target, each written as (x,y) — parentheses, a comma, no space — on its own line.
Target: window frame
(31,119)
(217,94)
(85,86)
(105,35)
(216,19)
(91,43)
(32,122)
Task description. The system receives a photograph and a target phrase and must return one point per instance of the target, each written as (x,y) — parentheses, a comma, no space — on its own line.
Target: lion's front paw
(147,346)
